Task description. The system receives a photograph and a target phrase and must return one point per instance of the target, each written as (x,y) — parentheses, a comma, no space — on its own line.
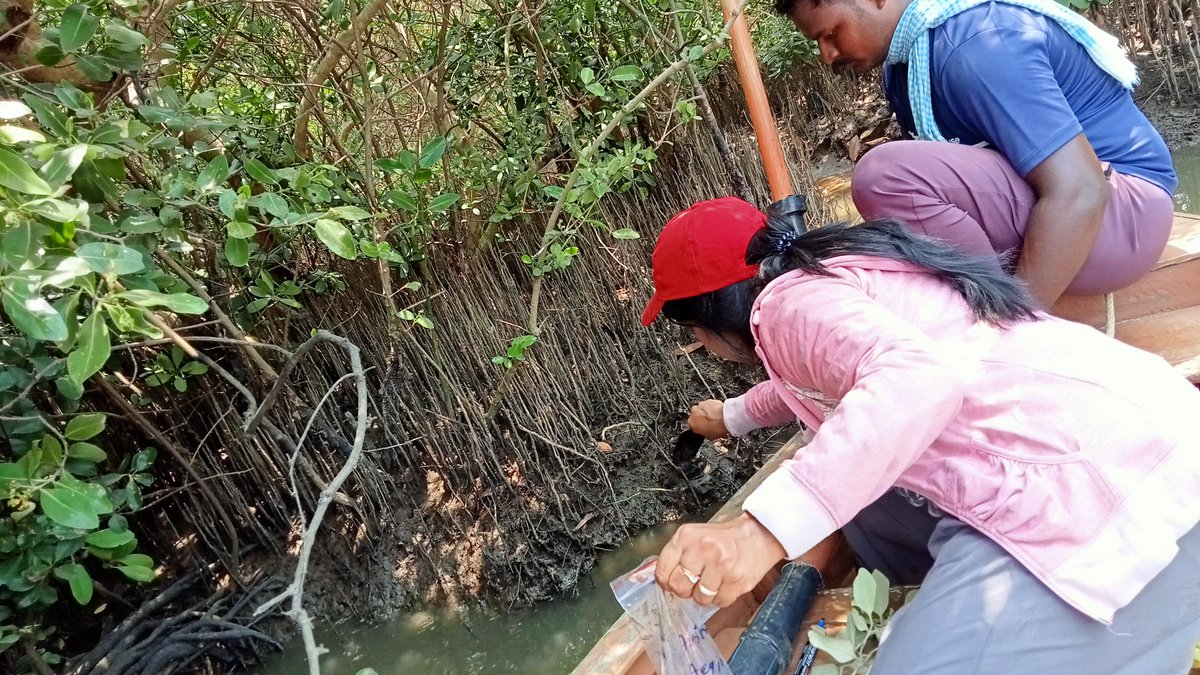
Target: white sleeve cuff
(737,421)
(790,512)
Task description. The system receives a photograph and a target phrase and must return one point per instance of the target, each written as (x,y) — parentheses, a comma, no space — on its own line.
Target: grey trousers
(980,612)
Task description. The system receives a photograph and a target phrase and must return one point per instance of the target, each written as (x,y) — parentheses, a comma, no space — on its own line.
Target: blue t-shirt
(1015,80)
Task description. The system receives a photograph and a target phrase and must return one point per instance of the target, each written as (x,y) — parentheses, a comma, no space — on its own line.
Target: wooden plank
(1175,336)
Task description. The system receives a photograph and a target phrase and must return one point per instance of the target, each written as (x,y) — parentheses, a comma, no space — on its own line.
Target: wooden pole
(761,117)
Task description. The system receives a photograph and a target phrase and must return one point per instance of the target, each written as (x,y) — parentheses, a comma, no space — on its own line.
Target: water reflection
(1187,165)
(438,641)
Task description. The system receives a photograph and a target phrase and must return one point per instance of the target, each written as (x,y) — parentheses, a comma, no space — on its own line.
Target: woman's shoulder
(850,269)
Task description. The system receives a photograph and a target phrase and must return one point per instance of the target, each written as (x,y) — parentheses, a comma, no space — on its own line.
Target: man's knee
(882,184)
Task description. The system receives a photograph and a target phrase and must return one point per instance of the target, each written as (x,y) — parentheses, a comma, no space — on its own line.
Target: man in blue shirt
(1048,156)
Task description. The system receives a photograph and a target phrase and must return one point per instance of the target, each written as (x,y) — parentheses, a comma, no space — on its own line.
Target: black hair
(992,294)
(788,7)
(784,245)
(725,311)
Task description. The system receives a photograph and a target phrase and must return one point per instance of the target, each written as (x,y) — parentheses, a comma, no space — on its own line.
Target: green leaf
(336,236)
(239,230)
(86,452)
(213,175)
(73,503)
(143,223)
(57,210)
(882,590)
(143,458)
(109,538)
(50,55)
(91,351)
(587,75)
(68,388)
(237,251)
(65,273)
(137,560)
(625,233)
(442,202)
(627,74)
(864,590)
(105,258)
(839,648)
(77,28)
(12,135)
(93,68)
(403,200)
(271,203)
(85,426)
(260,172)
(16,175)
(432,153)
(137,572)
(32,315)
(424,322)
(596,89)
(350,213)
(180,303)
(79,580)
(50,116)
(143,198)
(128,38)
(62,165)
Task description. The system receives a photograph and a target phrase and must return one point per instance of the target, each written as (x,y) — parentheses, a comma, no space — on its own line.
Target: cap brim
(652,309)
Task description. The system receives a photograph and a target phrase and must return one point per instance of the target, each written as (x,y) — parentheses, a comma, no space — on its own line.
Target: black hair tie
(786,241)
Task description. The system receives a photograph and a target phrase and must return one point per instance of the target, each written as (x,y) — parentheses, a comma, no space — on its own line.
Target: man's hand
(717,563)
(707,418)
(1072,194)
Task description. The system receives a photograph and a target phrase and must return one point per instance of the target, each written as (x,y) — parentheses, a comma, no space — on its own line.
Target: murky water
(548,640)
(1187,165)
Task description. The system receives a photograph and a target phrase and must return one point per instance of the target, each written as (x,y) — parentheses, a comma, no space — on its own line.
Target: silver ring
(694,578)
(704,590)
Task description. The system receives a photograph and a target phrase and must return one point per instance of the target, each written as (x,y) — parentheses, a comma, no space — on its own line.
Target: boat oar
(759,108)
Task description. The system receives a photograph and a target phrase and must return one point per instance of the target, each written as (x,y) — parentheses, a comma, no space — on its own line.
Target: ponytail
(993,296)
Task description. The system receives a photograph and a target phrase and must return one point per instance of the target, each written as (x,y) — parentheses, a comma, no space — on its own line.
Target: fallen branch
(295,591)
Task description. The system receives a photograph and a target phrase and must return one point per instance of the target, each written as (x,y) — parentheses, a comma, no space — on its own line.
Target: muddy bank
(510,552)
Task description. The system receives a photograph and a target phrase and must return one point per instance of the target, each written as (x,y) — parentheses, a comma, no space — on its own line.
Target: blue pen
(807,656)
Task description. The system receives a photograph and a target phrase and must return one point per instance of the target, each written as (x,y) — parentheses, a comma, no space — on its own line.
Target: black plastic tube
(766,646)
(791,208)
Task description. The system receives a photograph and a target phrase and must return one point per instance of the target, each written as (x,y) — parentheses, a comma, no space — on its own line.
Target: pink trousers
(972,198)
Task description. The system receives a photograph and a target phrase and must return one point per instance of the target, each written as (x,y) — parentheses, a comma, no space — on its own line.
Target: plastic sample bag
(672,629)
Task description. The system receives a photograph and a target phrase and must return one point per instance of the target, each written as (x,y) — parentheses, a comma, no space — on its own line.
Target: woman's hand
(717,563)
(707,418)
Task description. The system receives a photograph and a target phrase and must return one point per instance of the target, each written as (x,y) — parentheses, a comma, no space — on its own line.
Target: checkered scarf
(911,44)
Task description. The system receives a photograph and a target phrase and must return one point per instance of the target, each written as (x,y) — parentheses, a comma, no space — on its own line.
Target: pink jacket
(1067,448)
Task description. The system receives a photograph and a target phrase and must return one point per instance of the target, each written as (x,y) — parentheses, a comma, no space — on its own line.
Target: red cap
(702,249)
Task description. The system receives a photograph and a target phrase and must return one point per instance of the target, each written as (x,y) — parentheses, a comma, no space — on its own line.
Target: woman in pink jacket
(1059,469)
